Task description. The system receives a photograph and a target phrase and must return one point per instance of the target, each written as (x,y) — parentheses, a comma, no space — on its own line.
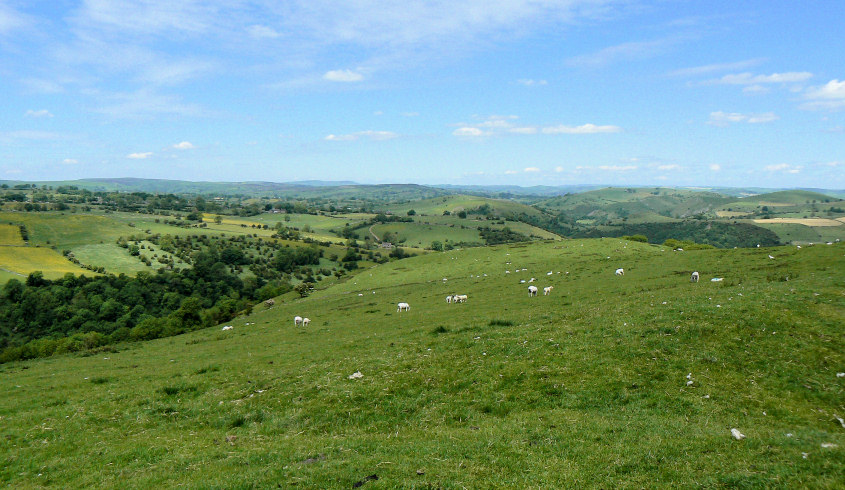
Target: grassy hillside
(457,203)
(610,381)
(614,203)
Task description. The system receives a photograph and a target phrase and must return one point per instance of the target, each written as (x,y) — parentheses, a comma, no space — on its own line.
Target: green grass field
(609,382)
(801,234)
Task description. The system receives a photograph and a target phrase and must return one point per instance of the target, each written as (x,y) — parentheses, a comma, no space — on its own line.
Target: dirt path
(370,229)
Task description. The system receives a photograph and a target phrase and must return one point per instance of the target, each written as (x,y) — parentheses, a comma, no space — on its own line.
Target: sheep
(460,298)
(403,307)
(306,321)
(532,290)
(228,327)
(297,320)
(547,290)
(694,277)
(620,272)
(449,299)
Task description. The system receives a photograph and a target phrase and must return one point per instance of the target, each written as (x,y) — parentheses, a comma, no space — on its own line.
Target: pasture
(20,261)
(611,381)
(10,235)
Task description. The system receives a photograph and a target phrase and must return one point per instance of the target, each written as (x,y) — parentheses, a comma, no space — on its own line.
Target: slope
(608,382)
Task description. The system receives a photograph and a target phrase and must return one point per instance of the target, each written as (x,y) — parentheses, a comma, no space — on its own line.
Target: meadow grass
(24,260)
(10,235)
(587,387)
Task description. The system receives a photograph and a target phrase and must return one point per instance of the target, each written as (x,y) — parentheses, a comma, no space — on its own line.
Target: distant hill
(618,202)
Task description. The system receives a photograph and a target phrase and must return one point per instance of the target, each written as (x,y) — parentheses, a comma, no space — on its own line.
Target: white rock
(356,375)
(737,434)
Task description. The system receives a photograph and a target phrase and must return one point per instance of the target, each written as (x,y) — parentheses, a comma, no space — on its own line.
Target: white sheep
(547,290)
(694,277)
(403,307)
(306,321)
(532,290)
(460,298)
(449,299)
(297,320)
(620,272)
(228,327)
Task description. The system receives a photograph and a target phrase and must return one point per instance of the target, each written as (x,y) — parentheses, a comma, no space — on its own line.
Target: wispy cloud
(715,167)
(140,155)
(70,161)
(145,104)
(622,52)
(748,78)
(784,167)
(531,169)
(695,71)
(582,129)
(720,118)
(528,82)
(495,125)
(343,76)
(184,145)
(38,113)
(369,134)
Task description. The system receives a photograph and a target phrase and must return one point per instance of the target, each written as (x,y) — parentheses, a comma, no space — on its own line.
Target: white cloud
(618,168)
(748,78)
(834,164)
(468,131)
(38,113)
(369,134)
(343,76)
(531,83)
(145,104)
(669,167)
(185,145)
(715,167)
(11,20)
(720,118)
(558,169)
(756,90)
(511,172)
(715,67)
(531,169)
(260,31)
(70,161)
(784,167)
(524,130)
(830,96)
(583,129)
(624,51)
(140,156)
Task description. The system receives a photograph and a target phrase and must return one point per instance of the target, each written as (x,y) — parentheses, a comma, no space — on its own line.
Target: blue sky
(660,92)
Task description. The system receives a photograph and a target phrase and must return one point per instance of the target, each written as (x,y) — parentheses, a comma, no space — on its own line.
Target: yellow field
(841,220)
(10,235)
(802,221)
(731,214)
(23,260)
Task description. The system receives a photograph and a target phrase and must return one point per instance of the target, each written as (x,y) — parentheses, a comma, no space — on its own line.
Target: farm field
(790,232)
(10,235)
(455,203)
(20,261)
(638,386)
(811,222)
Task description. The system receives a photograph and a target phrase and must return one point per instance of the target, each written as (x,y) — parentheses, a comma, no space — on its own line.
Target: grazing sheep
(297,320)
(306,321)
(547,290)
(532,290)
(403,307)
(449,299)
(620,272)
(460,298)
(228,327)
(694,277)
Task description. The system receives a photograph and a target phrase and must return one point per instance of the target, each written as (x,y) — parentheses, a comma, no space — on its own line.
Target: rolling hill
(610,381)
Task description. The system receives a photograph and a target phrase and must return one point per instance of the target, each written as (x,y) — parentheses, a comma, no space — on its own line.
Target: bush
(636,238)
